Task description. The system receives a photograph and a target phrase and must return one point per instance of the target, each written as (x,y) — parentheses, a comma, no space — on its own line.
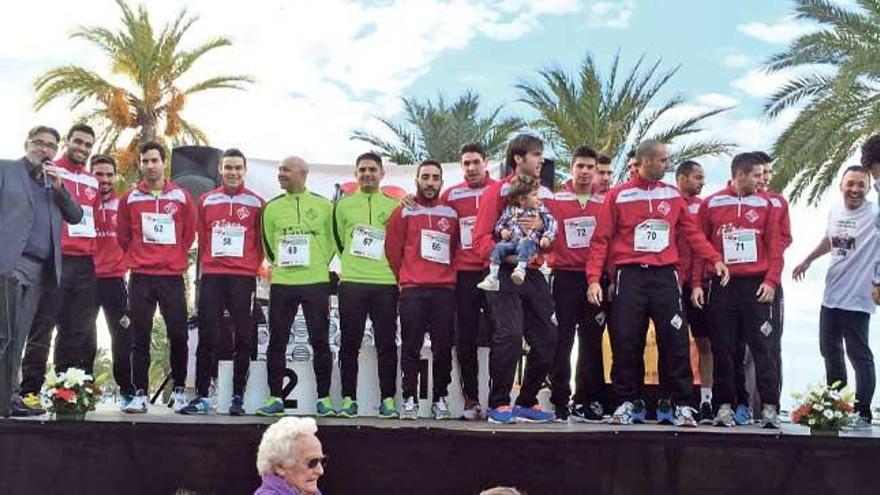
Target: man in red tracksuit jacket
(72,304)
(420,245)
(518,310)
(156,227)
(230,253)
(640,223)
(110,268)
(741,223)
(576,209)
(470,302)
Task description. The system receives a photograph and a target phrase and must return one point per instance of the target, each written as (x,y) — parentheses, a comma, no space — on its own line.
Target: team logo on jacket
(443,224)
(171,208)
(311,214)
(242,213)
(663,208)
(752,216)
(90,193)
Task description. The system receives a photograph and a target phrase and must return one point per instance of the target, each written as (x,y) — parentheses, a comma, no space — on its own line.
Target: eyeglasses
(39,143)
(313,463)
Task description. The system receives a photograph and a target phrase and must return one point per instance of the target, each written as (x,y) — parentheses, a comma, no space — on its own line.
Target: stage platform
(164,453)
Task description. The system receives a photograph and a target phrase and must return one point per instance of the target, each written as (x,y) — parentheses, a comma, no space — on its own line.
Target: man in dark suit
(33,201)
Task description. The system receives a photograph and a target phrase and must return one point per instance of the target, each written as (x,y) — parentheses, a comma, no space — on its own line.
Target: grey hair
(278,446)
(298,161)
(502,490)
(646,148)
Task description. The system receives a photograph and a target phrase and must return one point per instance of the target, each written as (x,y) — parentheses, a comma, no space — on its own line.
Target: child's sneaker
(489,284)
(518,276)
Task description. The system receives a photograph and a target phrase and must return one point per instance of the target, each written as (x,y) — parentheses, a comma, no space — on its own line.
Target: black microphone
(42,169)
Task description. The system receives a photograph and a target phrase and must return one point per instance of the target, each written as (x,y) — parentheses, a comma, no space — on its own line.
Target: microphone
(42,169)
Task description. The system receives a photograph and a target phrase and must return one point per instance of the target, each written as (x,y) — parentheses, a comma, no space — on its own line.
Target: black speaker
(548,174)
(194,168)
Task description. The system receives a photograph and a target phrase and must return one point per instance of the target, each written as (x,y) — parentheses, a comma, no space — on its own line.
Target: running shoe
(273,407)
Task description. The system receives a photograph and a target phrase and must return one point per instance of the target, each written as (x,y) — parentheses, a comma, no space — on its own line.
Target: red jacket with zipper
(109,258)
(466,202)
(686,263)
(726,211)
(403,244)
(83,188)
(493,203)
(239,207)
(156,259)
(565,205)
(780,208)
(632,203)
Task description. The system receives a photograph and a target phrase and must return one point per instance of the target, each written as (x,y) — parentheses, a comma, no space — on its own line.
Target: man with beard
(72,305)
(33,202)
(470,302)
(690,178)
(576,208)
(519,310)
(639,225)
(741,222)
(853,242)
(420,247)
(110,269)
(155,228)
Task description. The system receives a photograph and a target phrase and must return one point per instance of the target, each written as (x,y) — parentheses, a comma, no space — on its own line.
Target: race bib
(158,228)
(466,228)
(651,236)
(227,241)
(740,246)
(293,250)
(368,242)
(435,246)
(85,227)
(579,231)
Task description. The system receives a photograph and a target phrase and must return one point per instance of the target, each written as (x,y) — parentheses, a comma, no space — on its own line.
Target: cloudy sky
(326,68)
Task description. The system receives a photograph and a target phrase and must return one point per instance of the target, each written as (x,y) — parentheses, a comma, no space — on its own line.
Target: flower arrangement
(824,408)
(70,394)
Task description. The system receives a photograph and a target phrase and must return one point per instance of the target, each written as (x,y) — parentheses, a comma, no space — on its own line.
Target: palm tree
(151,93)
(837,88)
(612,114)
(438,129)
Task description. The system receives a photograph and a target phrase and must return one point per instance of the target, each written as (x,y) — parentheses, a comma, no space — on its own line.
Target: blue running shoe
(532,414)
(501,415)
(665,412)
(236,407)
(324,408)
(638,411)
(742,415)
(273,407)
(199,405)
(388,408)
(348,408)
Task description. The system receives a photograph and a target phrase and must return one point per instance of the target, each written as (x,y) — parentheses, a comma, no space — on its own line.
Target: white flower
(818,407)
(74,377)
(828,414)
(838,414)
(51,379)
(812,421)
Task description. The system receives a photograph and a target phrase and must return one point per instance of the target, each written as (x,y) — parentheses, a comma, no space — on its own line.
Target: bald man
(298,242)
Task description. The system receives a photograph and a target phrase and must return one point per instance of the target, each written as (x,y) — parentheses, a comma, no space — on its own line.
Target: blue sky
(325,68)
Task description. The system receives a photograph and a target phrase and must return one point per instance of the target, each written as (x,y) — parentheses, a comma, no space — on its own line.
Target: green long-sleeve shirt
(298,238)
(361,219)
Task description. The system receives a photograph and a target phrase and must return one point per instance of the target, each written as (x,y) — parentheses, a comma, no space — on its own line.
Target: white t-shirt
(854,244)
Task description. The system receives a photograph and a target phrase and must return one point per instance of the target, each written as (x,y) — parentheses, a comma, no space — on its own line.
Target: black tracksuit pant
(520,311)
(470,307)
(379,302)
(219,293)
(575,314)
(72,307)
(426,309)
(653,292)
(839,326)
(113,299)
(145,291)
(284,301)
(738,318)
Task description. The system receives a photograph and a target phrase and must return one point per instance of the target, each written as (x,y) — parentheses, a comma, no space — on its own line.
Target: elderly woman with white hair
(290,459)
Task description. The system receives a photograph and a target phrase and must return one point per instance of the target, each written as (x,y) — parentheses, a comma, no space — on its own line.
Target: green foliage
(437,129)
(837,72)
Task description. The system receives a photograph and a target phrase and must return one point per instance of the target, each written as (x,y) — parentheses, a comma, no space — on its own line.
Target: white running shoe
(441,409)
(178,399)
(518,276)
(137,404)
(489,284)
(409,409)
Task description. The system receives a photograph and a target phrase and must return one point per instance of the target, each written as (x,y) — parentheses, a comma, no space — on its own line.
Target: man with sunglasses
(71,306)
(33,202)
